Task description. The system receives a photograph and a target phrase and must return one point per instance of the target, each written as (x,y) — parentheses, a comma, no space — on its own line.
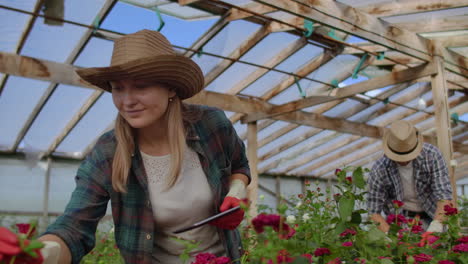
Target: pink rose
(445,262)
(463,239)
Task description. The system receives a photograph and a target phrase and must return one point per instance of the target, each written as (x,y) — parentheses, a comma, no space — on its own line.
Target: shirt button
(148,236)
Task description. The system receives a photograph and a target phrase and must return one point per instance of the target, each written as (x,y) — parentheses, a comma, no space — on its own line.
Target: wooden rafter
(400,7)
(236,54)
(273,62)
(337,159)
(223,101)
(372,84)
(51,88)
(24,35)
(402,99)
(346,18)
(436,24)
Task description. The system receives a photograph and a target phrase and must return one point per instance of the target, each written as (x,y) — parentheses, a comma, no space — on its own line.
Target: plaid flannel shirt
(221,154)
(432,182)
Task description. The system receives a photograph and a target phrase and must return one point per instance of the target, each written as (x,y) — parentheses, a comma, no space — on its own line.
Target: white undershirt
(187,202)
(410,198)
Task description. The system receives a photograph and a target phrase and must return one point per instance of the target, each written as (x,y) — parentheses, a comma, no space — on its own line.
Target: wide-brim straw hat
(147,55)
(402,142)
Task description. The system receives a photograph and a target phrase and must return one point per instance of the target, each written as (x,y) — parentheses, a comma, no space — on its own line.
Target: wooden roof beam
(348,19)
(436,24)
(36,68)
(401,7)
(350,90)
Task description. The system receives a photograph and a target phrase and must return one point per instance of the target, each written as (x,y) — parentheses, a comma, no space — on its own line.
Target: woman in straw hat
(413,172)
(165,166)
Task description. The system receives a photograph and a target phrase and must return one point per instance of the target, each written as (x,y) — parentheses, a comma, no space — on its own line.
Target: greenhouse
(317,91)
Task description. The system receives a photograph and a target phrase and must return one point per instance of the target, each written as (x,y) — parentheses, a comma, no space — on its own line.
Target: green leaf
(386,261)
(345,208)
(356,218)
(375,235)
(340,228)
(358,178)
(34,245)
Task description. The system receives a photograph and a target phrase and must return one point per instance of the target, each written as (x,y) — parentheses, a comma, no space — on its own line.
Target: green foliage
(105,251)
(338,223)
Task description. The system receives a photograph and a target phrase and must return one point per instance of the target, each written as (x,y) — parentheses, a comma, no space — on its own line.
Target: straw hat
(402,141)
(147,55)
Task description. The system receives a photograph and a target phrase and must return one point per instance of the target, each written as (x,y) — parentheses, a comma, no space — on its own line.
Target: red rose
(337,171)
(449,210)
(397,204)
(347,244)
(463,239)
(349,179)
(321,251)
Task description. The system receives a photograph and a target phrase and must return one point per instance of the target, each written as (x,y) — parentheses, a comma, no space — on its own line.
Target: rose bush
(331,228)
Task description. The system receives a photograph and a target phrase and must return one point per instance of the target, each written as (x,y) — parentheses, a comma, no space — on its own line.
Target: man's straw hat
(402,141)
(147,55)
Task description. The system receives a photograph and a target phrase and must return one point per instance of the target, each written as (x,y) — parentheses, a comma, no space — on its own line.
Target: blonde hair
(126,140)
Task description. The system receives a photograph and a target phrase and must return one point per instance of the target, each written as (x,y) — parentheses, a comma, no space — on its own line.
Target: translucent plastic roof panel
(299,58)
(238,71)
(96,53)
(13,24)
(99,117)
(230,37)
(269,48)
(264,83)
(293,93)
(298,131)
(329,145)
(342,108)
(206,62)
(184,12)
(26,5)
(19,97)
(54,116)
(141,18)
(53,43)
(82,11)
(271,129)
(295,151)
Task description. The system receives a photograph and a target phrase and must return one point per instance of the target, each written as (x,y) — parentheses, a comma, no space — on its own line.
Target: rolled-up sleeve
(88,204)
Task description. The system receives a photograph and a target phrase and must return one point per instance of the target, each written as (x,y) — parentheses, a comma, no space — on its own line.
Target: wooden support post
(45,202)
(278,190)
(444,135)
(252,190)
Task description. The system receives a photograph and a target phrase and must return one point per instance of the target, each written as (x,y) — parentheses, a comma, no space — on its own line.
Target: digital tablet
(207,220)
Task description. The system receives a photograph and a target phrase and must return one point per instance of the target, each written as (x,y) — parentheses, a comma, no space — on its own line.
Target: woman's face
(141,104)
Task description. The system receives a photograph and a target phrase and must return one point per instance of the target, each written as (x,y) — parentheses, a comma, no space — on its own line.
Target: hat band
(404,152)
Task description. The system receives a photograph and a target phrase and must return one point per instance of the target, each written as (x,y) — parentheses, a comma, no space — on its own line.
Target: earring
(170,99)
